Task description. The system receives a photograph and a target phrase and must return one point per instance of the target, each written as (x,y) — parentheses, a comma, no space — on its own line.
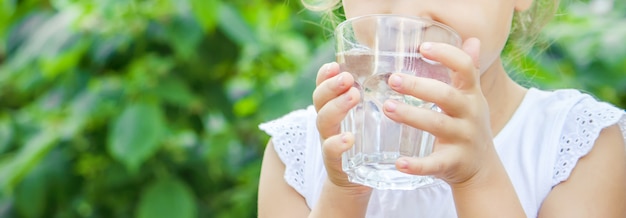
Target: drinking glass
(371,48)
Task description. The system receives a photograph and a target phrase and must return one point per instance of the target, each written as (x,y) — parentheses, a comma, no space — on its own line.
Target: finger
(472,48)
(334,146)
(434,164)
(331,88)
(326,71)
(332,150)
(438,124)
(464,74)
(329,117)
(447,98)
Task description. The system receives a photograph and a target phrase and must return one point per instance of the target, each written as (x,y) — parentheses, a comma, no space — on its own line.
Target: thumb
(332,149)
(429,165)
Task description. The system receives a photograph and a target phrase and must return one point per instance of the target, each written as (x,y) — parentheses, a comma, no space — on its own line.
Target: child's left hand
(464,147)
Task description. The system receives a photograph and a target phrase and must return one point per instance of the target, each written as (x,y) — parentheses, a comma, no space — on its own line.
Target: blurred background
(149,108)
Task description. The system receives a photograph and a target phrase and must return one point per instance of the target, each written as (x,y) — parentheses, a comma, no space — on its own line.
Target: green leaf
(82,108)
(64,61)
(175,92)
(16,167)
(6,132)
(136,134)
(184,36)
(612,44)
(30,194)
(49,39)
(205,12)
(7,8)
(246,106)
(235,27)
(167,198)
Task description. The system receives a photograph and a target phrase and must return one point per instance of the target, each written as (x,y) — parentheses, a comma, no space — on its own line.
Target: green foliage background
(149,108)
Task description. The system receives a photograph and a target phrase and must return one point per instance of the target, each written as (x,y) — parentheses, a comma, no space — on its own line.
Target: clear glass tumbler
(371,48)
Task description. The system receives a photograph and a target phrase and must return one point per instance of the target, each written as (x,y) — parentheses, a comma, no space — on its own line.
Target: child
(502,150)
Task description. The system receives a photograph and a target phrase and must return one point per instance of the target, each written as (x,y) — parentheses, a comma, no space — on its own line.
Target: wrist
(352,190)
(482,172)
(488,193)
(341,201)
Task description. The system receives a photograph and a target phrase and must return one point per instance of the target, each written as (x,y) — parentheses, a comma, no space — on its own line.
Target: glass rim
(455,34)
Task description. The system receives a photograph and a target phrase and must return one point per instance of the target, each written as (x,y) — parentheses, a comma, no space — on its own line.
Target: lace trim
(581,129)
(289,140)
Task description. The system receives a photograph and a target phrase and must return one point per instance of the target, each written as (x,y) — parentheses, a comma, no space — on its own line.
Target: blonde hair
(525,27)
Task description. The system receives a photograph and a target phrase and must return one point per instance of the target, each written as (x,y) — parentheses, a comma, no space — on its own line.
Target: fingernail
(395,81)
(331,64)
(390,106)
(426,46)
(340,80)
(326,68)
(347,96)
(403,164)
(344,137)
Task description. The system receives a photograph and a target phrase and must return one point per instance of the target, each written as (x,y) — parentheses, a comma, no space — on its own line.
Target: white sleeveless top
(539,147)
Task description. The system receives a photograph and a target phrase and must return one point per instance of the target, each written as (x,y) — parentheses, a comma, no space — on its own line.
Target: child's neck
(503,95)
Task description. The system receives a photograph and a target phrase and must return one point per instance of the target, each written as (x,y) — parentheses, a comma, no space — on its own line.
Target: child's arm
(276,197)
(340,198)
(597,185)
(340,202)
(490,194)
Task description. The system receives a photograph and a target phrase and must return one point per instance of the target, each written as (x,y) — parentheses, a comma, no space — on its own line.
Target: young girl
(502,150)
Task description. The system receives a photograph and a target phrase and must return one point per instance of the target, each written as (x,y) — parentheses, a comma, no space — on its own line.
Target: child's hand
(464,147)
(333,97)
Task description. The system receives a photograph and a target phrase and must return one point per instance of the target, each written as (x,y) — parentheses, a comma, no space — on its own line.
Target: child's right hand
(333,97)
